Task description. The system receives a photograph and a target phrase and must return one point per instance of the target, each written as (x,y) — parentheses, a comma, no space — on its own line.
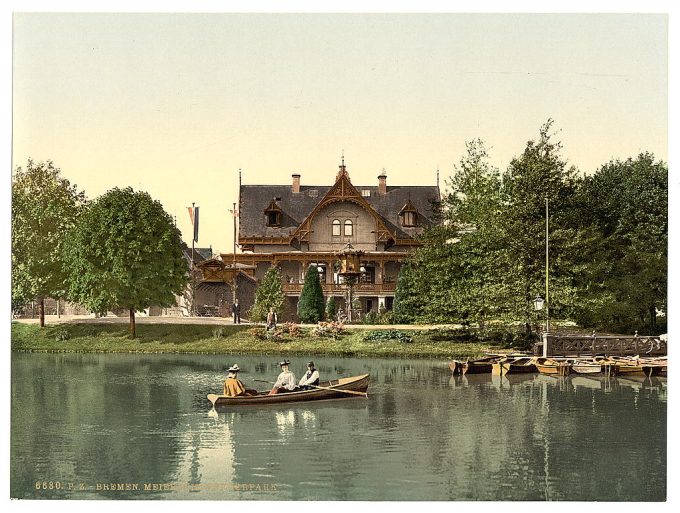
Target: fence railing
(584,345)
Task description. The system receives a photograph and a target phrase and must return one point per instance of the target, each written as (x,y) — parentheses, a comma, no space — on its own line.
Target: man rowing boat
(309,379)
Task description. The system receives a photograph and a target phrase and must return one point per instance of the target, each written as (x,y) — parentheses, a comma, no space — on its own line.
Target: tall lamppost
(539,302)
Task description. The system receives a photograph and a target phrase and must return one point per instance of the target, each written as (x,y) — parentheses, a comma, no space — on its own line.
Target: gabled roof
(296,207)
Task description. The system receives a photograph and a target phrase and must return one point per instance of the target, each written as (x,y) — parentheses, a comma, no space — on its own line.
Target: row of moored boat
(500,364)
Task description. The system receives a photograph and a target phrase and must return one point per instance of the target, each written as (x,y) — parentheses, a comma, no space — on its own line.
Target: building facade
(295,226)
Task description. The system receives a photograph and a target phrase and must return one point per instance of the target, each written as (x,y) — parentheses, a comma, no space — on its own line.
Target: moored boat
(589,366)
(354,386)
(552,367)
(516,365)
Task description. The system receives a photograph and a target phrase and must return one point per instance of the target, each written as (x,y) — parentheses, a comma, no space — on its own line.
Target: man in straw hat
(286,381)
(233,386)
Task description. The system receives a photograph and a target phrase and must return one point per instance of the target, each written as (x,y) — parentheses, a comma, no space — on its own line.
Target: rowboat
(552,367)
(342,388)
(522,364)
(591,366)
(479,366)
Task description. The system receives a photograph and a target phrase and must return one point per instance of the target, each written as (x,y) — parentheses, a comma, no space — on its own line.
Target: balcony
(338,289)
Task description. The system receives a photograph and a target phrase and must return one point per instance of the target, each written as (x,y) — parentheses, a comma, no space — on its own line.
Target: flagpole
(193,277)
(233,272)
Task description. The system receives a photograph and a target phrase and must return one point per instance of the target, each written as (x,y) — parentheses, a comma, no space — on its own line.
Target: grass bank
(211,339)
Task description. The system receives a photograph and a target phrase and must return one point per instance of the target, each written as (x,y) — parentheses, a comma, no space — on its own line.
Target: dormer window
(273,214)
(408,215)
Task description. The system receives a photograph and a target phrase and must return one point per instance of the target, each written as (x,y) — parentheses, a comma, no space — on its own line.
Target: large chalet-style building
(295,226)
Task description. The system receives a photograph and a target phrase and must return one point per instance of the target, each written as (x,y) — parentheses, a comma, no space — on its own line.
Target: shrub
(218,332)
(331,308)
(292,329)
(310,308)
(384,335)
(61,334)
(258,332)
(330,329)
(370,318)
(269,294)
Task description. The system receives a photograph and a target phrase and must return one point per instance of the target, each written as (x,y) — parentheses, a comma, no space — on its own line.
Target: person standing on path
(236,312)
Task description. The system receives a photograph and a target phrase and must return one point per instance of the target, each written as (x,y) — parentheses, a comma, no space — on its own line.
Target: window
(366,193)
(409,218)
(336,228)
(348,228)
(273,218)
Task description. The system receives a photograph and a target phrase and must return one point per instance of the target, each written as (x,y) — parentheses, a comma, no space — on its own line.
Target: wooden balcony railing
(376,288)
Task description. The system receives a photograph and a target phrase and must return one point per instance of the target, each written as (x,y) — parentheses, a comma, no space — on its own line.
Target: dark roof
(295,207)
(200,254)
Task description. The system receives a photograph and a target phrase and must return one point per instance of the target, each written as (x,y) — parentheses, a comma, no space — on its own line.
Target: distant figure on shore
(236,312)
(271,319)
(286,381)
(310,378)
(233,387)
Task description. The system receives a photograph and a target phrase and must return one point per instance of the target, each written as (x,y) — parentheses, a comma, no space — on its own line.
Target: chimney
(382,183)
(296,183)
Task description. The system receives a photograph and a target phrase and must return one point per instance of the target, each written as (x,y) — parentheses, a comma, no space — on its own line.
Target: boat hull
(552,367)
(509,367)
(336,387)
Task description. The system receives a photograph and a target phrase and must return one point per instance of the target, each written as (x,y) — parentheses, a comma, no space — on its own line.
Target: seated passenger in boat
(311,377)
(286,381)
(233,387)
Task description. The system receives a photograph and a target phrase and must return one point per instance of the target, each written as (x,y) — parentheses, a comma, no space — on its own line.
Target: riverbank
(242,339)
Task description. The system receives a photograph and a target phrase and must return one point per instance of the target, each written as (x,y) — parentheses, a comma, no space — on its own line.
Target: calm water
(82,422)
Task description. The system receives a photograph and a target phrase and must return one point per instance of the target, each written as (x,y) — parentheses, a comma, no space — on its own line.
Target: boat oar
(212,398)
(362,394)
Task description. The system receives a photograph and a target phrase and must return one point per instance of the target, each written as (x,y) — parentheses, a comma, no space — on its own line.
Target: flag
(196,225)
(193,215)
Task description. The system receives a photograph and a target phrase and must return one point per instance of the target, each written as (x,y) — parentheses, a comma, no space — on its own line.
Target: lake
(129,426)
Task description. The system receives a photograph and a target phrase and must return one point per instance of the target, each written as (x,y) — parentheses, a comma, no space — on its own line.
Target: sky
(176,104)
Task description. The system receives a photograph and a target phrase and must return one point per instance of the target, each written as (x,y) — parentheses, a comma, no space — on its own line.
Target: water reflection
(421,435)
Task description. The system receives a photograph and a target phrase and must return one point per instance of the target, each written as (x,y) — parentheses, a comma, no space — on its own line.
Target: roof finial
(437,176)
(343,158)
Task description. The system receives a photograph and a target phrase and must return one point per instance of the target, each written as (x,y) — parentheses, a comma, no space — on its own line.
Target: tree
(626,204)
(125,252)
(45,207)
(540,172)
(269,294)
(331,308)
(311,305)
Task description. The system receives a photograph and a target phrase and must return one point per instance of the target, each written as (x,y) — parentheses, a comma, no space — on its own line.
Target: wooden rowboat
(552,367)
(586,367)
(479,366)
(353,386)
(518,365)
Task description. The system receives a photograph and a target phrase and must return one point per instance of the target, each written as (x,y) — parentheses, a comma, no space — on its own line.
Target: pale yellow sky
(175,104)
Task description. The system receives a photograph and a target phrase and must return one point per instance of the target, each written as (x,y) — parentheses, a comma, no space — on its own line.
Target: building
(295,226)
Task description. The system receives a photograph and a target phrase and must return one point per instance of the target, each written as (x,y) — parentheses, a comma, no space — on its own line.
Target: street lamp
(538,303)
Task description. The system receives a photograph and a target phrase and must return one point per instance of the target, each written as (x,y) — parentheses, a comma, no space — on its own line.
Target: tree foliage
(310,307)
(486,261)
(269,294)
(45,206)
(331,308)
(625,203)
(125,252)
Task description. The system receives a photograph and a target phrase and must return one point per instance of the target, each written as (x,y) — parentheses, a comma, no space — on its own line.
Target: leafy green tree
(331,308)
(125,252)
(269,294)
(540,172)
(626,203)
(45,207)
(310,308)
